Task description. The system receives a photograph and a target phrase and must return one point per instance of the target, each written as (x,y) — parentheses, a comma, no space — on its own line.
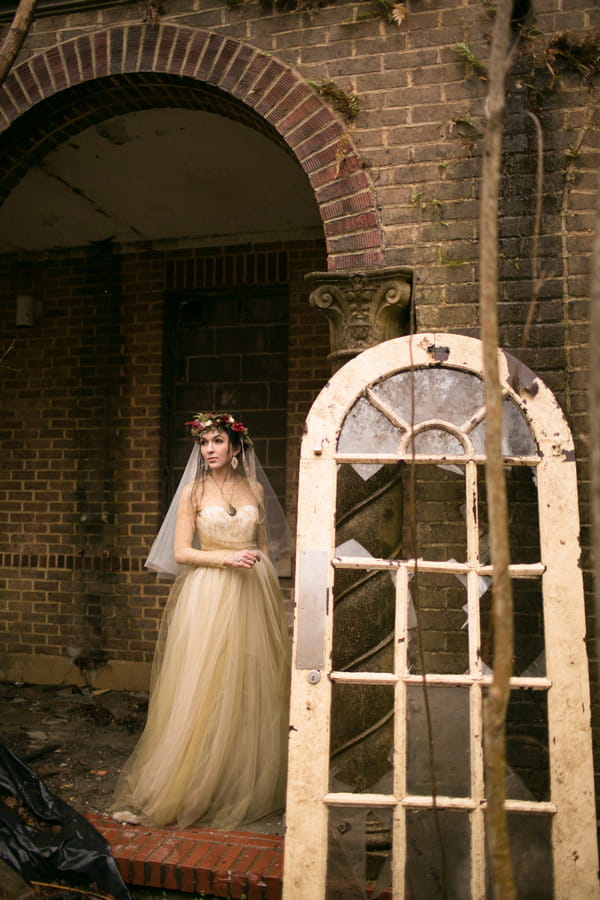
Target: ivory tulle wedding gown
(214,747)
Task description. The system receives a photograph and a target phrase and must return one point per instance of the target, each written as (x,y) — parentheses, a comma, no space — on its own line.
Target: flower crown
(202,422)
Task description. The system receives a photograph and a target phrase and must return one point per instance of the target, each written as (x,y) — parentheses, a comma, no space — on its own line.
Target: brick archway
(242,81)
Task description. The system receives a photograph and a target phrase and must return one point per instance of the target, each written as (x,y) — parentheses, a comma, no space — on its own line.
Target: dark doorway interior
(229,352)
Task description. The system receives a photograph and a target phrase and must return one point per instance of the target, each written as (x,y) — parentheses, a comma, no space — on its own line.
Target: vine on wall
(540,68)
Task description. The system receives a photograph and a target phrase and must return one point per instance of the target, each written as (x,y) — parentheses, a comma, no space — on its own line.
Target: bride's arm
(185,553)
(261,540)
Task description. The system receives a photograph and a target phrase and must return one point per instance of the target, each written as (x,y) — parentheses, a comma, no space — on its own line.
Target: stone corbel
(363,308)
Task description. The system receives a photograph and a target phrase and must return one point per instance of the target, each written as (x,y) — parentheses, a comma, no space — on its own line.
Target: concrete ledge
(116,674)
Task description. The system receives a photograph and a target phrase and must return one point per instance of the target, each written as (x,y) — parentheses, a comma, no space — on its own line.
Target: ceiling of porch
(160,174)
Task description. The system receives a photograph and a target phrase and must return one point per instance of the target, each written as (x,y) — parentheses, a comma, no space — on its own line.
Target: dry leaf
(399,13)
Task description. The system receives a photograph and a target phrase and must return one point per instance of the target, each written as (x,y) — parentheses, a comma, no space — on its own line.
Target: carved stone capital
(363,308)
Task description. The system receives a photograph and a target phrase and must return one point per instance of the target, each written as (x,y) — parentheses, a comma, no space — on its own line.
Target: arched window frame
(575,859)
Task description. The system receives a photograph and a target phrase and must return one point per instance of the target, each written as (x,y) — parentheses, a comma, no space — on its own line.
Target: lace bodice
(219,531)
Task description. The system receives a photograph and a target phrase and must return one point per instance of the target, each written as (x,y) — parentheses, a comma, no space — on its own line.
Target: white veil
(161,558)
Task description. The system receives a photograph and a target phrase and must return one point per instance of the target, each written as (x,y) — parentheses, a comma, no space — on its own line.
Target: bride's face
(216,450)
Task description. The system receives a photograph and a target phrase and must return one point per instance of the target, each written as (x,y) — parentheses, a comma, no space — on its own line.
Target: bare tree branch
(15,37)
(595,411)
(537,278)
(502,612)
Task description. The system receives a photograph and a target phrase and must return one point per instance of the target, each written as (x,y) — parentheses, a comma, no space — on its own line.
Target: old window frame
(572,807)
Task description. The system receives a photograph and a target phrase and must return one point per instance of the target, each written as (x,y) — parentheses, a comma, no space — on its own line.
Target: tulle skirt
(214,748)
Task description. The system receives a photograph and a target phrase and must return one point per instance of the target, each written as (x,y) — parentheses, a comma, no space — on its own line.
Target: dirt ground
(75,740)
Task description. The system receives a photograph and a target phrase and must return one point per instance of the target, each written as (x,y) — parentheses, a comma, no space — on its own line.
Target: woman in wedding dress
(214,746)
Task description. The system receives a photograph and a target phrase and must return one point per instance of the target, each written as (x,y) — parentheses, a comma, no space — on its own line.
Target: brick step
(240,865)
(233,864)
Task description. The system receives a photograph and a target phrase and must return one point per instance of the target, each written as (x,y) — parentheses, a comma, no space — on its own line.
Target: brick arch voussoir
(317,138)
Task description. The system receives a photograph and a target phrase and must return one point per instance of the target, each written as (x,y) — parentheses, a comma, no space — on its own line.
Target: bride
(214,746)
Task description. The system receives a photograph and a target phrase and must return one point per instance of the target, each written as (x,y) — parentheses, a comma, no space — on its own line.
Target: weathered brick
(398,185)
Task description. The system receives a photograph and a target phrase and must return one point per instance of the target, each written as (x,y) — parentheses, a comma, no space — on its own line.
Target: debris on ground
(75,739)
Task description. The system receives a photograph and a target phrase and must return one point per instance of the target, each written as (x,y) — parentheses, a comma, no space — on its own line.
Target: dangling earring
(234,462)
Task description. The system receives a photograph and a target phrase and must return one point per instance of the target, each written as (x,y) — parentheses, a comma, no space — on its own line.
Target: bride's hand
(242,559)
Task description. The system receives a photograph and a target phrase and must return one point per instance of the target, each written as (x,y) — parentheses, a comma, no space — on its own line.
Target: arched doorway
(172,165)
(59,92)
(169,136)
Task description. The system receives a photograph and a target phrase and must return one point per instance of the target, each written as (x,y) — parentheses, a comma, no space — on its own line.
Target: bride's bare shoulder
(256,487)
(191,489)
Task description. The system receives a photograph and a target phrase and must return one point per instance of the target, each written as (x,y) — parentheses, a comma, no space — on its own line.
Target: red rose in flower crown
(202,422)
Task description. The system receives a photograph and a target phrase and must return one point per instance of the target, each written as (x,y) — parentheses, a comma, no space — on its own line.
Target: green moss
(449,261)
(345,103)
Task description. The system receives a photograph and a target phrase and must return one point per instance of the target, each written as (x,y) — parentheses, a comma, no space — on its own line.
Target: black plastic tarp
(45,840)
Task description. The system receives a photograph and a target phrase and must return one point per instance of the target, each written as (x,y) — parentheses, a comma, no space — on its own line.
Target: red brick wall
(410,162)
(84,448)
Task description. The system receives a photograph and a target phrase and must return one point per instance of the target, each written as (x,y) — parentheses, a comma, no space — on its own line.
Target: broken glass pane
(361,596)
(449,712)
(368,524)
(370,512)
(434,525)
(531,856)
(438,849)
(442,600)
(366,430)
(359,853)
(517,439)
(523,521)
(527,757)
(361,743)
(446,394)
(528,653)
(436,442)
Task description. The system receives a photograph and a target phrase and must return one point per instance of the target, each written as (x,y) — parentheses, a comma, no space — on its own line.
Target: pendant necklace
(229,507)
